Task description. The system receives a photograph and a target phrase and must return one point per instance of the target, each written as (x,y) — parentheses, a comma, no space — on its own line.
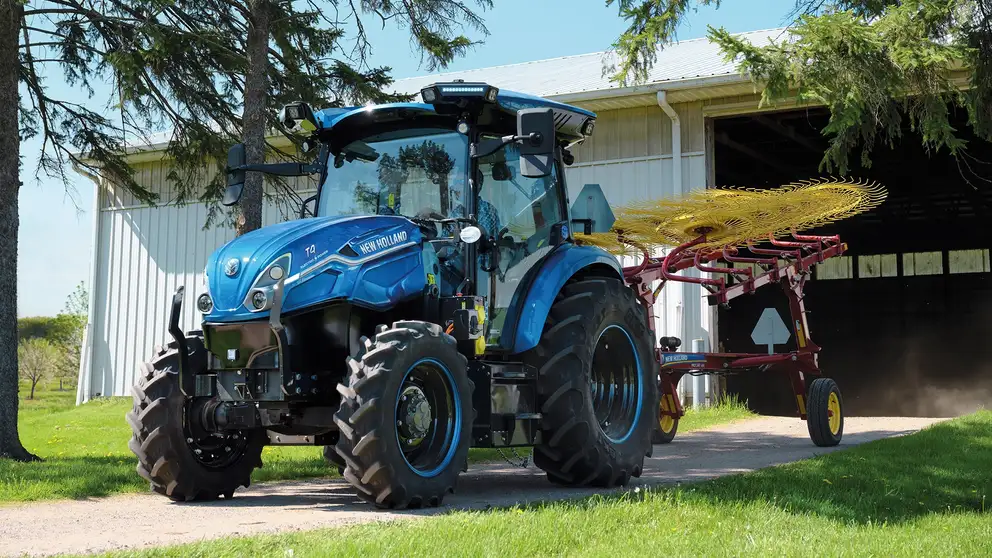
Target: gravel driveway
(137,521)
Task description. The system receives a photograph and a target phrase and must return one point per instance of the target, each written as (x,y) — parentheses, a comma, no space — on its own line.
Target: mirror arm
(488,147)
(281,169)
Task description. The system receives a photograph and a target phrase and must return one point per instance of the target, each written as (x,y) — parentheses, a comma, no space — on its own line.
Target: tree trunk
(254,117)
(34,384)
(10,145)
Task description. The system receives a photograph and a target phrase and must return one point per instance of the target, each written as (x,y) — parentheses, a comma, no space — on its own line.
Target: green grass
(918,495)
(85,454)
(85,449)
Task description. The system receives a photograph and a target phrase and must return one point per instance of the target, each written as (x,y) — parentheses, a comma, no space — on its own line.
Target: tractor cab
(477,169)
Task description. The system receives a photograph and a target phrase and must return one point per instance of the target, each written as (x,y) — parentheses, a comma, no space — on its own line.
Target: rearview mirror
(536,152)
(235,175)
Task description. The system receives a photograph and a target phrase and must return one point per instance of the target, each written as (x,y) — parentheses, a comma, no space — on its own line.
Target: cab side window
(522,209)
(519,213)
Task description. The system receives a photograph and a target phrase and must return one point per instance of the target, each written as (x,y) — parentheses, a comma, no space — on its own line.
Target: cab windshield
(417,173)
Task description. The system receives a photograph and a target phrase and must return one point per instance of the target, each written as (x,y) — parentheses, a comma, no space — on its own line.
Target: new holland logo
(682,358)
(381,243)
(231,267)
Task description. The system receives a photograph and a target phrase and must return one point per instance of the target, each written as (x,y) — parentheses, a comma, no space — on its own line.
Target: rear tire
(825,413)
(596,425)
(161,430)
(332,457)
(406,367)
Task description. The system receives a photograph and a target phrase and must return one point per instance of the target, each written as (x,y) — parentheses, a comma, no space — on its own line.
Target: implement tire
(160,431)
(397,451)
(825,413)
(667,426)
(597,386)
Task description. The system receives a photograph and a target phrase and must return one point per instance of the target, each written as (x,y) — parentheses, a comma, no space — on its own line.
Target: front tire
(597,386)
(175,456)
(405,419)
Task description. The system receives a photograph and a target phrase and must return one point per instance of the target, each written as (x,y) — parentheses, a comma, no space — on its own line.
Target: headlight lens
(258,300)
(204,303)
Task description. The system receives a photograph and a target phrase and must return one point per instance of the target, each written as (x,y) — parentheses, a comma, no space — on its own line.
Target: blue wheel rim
(617,384)
(430,454)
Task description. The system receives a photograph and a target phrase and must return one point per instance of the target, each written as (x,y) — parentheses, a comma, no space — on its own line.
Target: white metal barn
(144,253)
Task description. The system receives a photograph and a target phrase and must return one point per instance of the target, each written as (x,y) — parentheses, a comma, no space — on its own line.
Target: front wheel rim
(617,386)
(427,418)
(213,450)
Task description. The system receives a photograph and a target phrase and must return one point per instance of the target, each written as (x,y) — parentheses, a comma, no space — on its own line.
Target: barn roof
(581,77)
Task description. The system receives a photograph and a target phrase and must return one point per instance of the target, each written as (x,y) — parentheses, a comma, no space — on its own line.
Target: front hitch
(180,338)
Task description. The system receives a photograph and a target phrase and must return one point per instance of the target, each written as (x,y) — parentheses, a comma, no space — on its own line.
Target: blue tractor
(431,298)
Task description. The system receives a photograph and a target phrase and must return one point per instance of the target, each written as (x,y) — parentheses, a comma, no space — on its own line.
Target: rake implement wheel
(667,426)
(825,413)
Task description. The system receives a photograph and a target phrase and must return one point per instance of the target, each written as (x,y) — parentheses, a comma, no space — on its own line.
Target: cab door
(519,213)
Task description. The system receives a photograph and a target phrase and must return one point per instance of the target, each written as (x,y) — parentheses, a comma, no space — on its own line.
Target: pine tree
(872,63)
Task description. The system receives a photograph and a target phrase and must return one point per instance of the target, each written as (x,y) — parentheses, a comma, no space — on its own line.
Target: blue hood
(372,260)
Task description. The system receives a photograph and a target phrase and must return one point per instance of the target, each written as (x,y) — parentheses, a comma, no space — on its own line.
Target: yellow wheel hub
(666,422)
(833,413)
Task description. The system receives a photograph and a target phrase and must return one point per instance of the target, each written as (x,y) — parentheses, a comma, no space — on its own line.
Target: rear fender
(529,309)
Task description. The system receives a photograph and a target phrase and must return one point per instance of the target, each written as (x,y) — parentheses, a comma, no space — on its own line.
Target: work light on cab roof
(458,93)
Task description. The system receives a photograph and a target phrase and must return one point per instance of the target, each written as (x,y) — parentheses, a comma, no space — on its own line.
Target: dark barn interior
(904,321)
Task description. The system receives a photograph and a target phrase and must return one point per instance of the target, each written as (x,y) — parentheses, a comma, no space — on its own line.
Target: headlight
(258,300)
(204,303)
(259,296)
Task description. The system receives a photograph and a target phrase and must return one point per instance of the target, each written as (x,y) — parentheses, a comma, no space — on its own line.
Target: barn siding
(144,253)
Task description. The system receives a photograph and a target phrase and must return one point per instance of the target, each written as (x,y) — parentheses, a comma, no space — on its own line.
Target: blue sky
(56,226)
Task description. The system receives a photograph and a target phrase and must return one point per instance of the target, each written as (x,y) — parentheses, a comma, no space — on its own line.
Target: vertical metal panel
(627,133)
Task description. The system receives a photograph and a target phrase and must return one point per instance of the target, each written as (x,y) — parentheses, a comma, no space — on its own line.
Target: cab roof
(572,123)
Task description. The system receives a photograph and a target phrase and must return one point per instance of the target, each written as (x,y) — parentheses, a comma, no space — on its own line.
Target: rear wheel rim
(616,384)
(427,418)
(833,413)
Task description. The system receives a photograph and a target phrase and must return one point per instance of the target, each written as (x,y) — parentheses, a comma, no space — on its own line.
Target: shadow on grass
(941,469)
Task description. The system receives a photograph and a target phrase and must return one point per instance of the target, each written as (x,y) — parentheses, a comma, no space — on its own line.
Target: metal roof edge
(702,82)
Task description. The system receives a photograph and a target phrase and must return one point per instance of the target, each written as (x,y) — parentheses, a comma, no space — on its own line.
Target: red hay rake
(787,263)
